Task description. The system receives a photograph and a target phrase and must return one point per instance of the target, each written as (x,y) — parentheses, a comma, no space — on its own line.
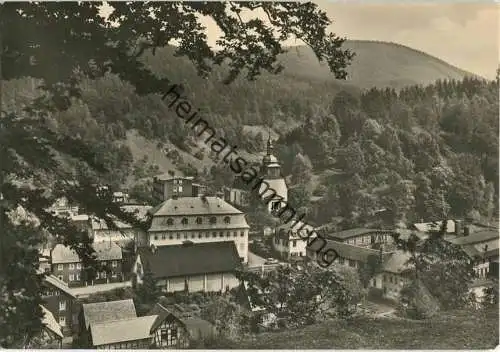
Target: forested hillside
(419,153)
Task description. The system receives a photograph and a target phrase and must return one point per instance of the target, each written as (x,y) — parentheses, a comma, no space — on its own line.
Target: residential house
(199,220)
(395,271)
(208,267)
(115,325)
(168,185)
(123,235)
(171,330)
(61,302)
(67,265)
(364,237)
(290,240)
(64,207)
(51,335)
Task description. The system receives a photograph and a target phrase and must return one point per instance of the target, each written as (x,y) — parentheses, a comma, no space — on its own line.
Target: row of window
(393,280)
(194,235)
(76,277)
(199,221)
(78,266)
(285,242)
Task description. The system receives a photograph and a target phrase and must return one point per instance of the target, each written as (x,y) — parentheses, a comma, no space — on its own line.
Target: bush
(417,302)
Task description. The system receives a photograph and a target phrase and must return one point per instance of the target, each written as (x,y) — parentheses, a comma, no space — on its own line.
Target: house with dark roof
(363,237)
(208,267)
(67,265)
(199,220)
(290,239)
(61,302)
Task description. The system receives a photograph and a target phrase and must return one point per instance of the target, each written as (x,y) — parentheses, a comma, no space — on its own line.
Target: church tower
(272,176)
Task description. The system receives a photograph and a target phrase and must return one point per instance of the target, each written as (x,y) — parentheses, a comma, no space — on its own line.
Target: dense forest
(354,157)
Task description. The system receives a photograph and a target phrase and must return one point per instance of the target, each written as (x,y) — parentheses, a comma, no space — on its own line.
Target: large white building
(198,220)
(290,240)
(273,179)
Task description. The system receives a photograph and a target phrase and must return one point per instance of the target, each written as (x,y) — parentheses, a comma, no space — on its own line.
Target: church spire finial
(269,142)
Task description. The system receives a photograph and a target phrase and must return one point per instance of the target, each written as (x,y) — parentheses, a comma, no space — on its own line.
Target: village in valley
(200,246)
(357,207)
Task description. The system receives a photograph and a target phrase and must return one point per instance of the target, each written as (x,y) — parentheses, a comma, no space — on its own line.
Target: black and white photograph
(255,175)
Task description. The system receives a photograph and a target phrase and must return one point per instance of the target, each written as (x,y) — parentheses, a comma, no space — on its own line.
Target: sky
(464,34)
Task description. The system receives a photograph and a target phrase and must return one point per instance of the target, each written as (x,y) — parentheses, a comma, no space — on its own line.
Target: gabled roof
(191,259)
(477,237)
(345,250)
(96,313)
(59,284)
(50,322)
(122,330)
(194,206)
(104,250)
(345,234)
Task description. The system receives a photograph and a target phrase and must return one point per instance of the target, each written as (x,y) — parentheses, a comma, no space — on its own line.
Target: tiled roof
(158,224)
(355,232)
(191,259)
(123,330)
(61,285)
(477,237)
(345,250)
(195,206)
(104,250)
(101,312)
(50,322)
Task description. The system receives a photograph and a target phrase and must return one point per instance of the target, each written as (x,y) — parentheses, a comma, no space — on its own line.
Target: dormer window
(227,220)
(170,221)
(184,221)
(199,221)
(213,220)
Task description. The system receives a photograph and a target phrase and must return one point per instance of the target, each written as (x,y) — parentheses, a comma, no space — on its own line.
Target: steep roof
(108,311)
(50,322)
(59,284)
(191,259)
(122,330)
(195,206)
(476,237)
(104,250)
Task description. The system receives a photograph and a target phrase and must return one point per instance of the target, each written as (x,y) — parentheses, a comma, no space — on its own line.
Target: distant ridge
(376,64)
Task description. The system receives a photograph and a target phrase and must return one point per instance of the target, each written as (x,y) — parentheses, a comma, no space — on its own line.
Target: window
(180,188)
(171,236)
(227,220)
(175,181)
(178,236)
(200,234)
(77,276)
(341,261)
(62,306)
(294,243)
(71,277)
(185,236)
(207,234)
(59,267)
(170,221)
(214,234)
(213,220)
(184,221)
(62,321)
(156,237)
(162,236)
(221,234)
(78,265)
(385,278)
(275,206)
(242,233)
(103,275)
(235,234)
(114,264)
(199,221)
(180,182)
(71,266)
(228,234)
(60,277)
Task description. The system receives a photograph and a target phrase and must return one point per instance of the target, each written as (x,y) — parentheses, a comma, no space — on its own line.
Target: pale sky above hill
(464,34)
